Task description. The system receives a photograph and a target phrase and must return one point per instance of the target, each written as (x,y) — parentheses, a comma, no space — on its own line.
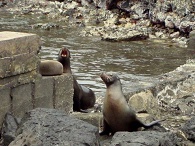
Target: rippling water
(90,55)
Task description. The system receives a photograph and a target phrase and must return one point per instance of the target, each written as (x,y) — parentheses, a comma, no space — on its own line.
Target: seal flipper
(153,123)
(84,111)
(106,128)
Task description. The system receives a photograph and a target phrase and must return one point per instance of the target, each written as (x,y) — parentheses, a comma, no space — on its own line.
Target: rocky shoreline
(164,20)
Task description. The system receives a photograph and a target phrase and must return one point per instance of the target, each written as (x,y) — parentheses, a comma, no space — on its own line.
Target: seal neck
(66,64)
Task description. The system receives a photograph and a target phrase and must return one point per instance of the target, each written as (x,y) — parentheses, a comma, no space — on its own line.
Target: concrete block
(5,67)
(18,64)
(21,99)
(63,92)
(17,80)
(44,92)
(5,104)
(15,43)
(24,63)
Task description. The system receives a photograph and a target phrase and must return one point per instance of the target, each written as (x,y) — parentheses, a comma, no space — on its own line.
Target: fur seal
(83,97)
(117,115)
(50,68)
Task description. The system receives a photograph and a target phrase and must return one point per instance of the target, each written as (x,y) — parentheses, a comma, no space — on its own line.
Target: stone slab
(63,92)
(22,99)
(15,43)
(44,92)
(18,64)
(14,81)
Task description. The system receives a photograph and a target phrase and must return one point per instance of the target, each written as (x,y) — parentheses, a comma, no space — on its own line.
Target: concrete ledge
(54,92)
(15,43)
(14,81)
(18,53)
(64,91)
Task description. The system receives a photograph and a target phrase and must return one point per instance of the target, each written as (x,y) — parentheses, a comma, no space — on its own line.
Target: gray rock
(145,138)
(191,43)
(169,22)
(189,129)
(10,124)
(50,127)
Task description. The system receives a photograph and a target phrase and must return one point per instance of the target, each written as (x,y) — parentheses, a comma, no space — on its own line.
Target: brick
(43,93)
(22,99)
(5,104)
(63,92)
(15,43)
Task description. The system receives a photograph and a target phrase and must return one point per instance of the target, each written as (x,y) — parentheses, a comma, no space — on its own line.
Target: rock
(169,22)
(92,118)
(130,35)
(10,124)
(145,138)
(174,35)
(46,26)
(191,42)
(189,130)
(185,105)
(140,101)
(43,126)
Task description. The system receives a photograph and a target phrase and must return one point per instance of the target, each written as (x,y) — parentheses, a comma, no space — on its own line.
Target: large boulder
(50,127)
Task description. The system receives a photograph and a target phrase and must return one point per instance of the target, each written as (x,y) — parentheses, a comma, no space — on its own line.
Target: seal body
(50,68)
(83,97)
(117,115)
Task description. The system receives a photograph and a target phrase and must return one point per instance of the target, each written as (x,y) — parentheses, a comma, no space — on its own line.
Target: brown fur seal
(117,115)
(83,97)
(50,68)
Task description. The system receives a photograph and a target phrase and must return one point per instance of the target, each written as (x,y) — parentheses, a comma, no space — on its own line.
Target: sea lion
(117,115)
(50,68)
(83,97)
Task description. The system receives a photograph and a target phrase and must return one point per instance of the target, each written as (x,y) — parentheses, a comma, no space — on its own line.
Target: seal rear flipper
(84,111)
(153,123)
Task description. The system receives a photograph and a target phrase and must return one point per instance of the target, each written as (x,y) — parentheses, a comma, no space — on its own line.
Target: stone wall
(21,86)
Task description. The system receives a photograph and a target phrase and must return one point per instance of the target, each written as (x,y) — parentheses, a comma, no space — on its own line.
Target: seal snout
(106,78)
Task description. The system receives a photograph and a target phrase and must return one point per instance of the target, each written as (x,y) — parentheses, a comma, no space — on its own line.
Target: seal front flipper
(106,130)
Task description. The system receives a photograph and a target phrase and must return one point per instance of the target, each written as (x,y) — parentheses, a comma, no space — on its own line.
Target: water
(90,55)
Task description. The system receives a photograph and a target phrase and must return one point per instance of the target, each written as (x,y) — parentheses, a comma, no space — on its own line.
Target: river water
(90,55)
